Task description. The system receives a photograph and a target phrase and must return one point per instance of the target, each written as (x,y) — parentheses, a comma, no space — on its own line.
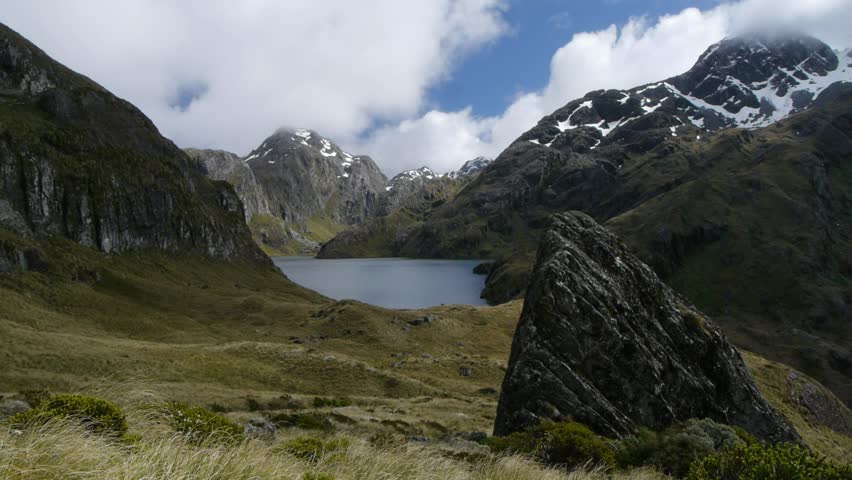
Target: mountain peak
(748,81)
(470,167)
(285,140)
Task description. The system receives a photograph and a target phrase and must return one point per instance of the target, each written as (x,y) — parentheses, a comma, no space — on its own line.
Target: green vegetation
(762,462)
(568,444)
(674,449)
(200,425)
(781,386)
(312,449)
(316,476)
(95,414)
(320,402)
(305,421)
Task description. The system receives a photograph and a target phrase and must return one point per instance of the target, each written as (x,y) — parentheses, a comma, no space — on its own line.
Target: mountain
(749,222)
(78,162)
(604,342)
(227,166)
(299,188)
(470,167)
(746,82)
(408,200)
(306,175)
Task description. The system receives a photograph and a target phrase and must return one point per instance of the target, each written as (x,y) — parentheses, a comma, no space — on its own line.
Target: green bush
(762,462)
(562,443)
(320,402)
(311,448)
(199,424)
(305,421)
(674,449)
(316,476)
(97,415)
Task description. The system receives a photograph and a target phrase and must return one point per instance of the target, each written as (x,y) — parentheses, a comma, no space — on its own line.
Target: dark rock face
(78,162)
(604,342)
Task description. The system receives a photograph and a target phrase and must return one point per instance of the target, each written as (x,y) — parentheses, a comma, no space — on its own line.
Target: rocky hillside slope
(299,189)
(409,199)
(228,167)
(304,175)
(750,223)
(78,162)
(603,341)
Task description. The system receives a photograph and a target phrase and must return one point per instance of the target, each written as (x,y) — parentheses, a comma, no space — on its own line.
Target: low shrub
(316,476)
(305,421)
(384,440)
(674,449)
(320,402)
(97,415)
(569,444)
(767,462)
(199,424)
(311,448)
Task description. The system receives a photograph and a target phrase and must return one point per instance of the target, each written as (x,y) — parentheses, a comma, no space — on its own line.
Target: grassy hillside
(203,331)
(247,341)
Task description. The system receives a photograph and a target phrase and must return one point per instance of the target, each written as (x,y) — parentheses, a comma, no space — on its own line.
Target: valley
(645,282)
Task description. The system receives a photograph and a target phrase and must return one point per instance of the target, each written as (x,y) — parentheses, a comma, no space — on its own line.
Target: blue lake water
(388,282)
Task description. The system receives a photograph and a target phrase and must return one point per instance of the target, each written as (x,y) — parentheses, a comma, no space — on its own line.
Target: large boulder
(603,341)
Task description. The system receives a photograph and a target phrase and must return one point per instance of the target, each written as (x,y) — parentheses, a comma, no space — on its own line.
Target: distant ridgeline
(733,181)
(301,189)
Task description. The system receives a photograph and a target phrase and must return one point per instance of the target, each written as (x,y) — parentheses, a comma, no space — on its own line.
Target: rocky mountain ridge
(299,188)
(78,162)
(470,167)
(746,82)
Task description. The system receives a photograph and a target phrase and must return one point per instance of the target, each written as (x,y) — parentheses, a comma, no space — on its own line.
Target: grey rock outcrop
(11,406)
(227,166)
(603,341)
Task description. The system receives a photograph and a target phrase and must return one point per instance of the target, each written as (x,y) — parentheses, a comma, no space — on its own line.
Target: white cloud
(340,67)
(641,51)
(336,66)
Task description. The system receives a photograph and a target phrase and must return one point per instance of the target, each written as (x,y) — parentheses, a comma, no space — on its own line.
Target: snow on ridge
(327,150)
(566,125)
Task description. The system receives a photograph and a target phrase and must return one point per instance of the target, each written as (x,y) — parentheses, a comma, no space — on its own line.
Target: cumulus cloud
(219,73)
(223,74)
(642,50)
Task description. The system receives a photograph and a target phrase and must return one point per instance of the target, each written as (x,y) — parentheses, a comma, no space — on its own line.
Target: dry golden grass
(62,450)
(207,333)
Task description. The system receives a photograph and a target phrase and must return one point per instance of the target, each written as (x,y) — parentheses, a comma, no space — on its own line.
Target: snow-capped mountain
(422,173)
(305,174)
(747,82)
(284,141)
(470,167)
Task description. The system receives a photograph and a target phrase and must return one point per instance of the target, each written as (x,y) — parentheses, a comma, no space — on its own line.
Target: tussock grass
(63,450)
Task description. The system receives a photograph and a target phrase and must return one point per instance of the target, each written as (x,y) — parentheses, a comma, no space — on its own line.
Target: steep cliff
(78,162)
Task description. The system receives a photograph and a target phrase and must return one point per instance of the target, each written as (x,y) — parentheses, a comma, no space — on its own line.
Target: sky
(408,82)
